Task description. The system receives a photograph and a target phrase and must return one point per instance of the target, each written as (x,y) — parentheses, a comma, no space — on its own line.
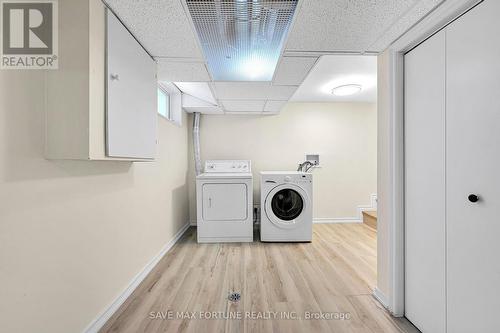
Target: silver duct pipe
(196,142)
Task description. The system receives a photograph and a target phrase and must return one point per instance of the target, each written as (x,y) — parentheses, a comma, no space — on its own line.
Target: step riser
(370,220)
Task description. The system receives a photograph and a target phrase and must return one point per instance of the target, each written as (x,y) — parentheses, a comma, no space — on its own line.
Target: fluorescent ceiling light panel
(242,39)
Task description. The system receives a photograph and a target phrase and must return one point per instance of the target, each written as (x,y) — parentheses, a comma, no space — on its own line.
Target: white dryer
(224,198)
(286,206)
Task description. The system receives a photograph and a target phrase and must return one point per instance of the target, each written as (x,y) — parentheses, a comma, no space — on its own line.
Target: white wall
(73,234)
(344,134)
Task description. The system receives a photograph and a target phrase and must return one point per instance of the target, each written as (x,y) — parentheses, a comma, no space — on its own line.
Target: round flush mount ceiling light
(346,90)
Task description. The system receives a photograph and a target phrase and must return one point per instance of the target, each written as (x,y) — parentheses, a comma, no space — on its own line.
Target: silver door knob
(115,77)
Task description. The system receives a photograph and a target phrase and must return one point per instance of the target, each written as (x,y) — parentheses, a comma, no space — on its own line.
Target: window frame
(175,112)
(168,116)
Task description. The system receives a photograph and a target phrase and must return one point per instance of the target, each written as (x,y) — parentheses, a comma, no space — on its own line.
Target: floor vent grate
(234,297)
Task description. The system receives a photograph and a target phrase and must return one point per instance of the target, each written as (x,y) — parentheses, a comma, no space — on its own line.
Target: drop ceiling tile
(343,25)
(162,27)
(205,110)
(253,91)
(293,70)
(174,71)
(215,110)
(281,93)
(192,101)
(257,114)
(274,106)
(200,90)
(242,90)
(335,70)
(404,23)
(243,105)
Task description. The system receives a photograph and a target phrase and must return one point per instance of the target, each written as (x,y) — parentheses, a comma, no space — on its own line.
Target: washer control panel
(299,178)
(228,166)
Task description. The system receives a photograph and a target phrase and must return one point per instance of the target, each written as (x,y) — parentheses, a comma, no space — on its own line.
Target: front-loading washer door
(285,204)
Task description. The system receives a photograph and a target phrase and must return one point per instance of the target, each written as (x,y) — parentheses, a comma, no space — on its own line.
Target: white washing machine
(224,199)
(286,206)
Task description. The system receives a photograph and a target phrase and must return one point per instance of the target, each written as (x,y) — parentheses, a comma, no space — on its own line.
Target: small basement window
(170,102)
(164,103)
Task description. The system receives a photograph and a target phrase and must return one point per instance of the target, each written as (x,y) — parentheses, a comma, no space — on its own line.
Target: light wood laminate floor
(332,276)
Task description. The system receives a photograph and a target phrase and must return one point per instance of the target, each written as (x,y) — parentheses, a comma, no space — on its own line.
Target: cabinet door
(131,95)
(473,167)
(425,185)
(225,202)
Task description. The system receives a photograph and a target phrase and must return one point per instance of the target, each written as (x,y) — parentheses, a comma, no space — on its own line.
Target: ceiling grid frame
(168,21)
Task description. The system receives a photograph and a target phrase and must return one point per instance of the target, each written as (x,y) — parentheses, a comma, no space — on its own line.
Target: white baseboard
(99,322)
(372,206)
(336,220)
(359,213)
(379,296)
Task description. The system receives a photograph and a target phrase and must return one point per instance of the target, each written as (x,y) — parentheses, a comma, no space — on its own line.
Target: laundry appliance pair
(225,204)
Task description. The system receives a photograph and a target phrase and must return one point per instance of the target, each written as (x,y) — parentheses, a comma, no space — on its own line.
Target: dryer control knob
(288,179)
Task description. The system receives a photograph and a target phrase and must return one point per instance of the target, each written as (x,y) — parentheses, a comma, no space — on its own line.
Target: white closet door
(425,185)
(473,167)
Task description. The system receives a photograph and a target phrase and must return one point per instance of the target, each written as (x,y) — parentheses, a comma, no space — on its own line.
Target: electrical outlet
(256,214)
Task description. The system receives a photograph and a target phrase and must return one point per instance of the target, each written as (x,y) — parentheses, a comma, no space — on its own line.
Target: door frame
(394,298)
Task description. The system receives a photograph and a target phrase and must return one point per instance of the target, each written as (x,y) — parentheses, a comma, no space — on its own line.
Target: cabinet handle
(115,77)
(473,198)
(209,202)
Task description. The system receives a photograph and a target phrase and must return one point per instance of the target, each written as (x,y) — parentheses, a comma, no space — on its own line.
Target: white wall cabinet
(131,95)
(88,115)
(452,195)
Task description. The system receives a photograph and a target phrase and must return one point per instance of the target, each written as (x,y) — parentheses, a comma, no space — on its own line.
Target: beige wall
(73,234)
(344,134)
(384,166)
